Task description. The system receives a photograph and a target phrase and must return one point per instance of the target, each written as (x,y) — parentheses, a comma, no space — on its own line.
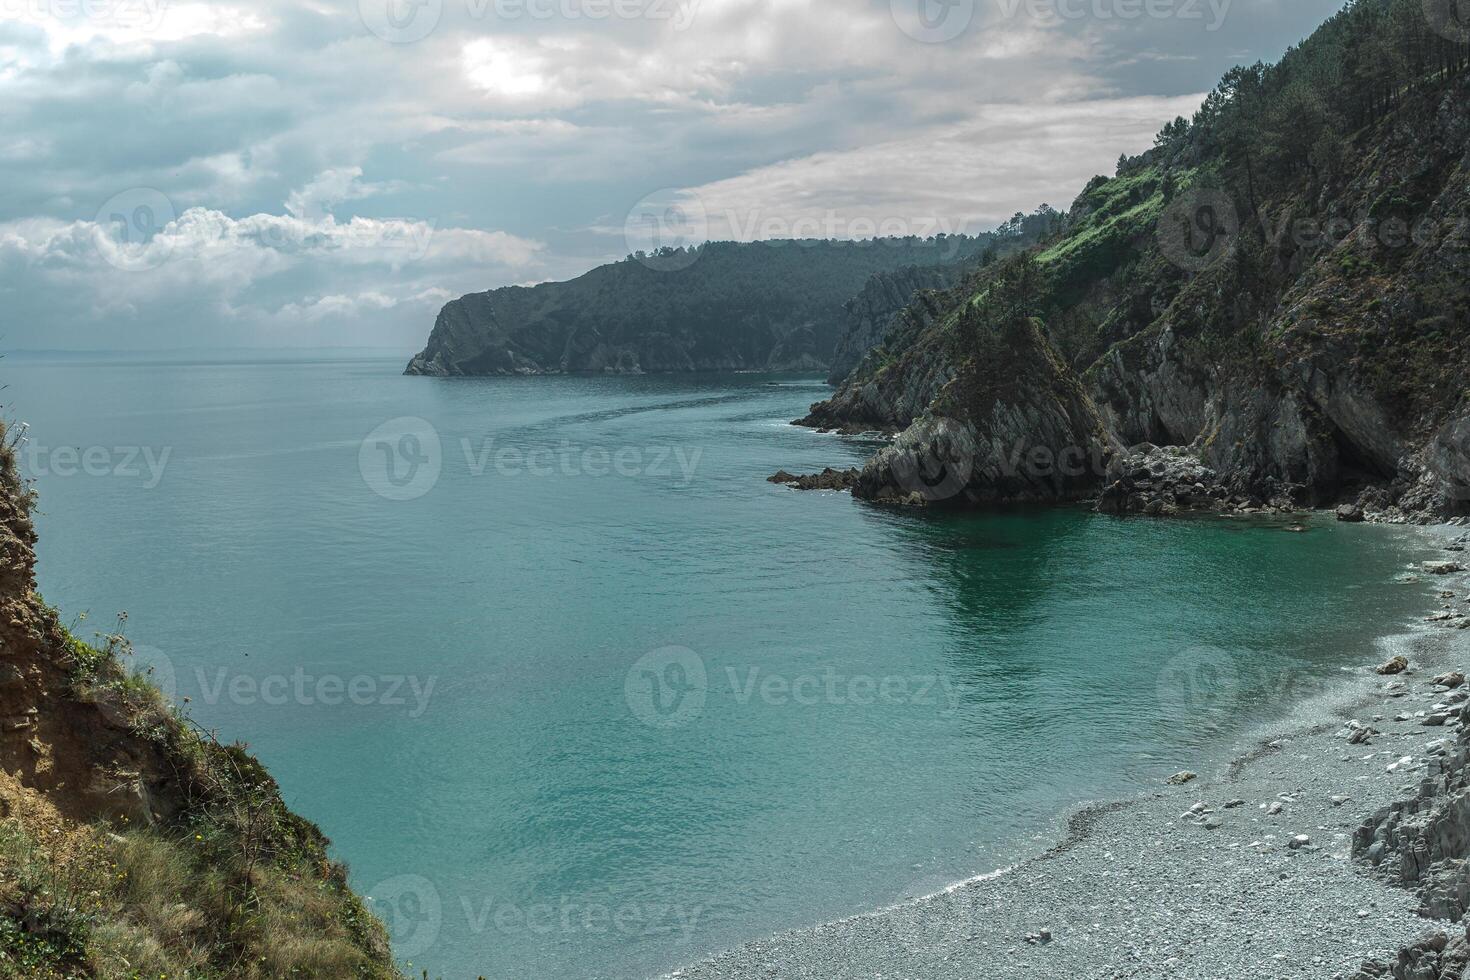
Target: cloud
(251,277)
(299,156)
(962,178)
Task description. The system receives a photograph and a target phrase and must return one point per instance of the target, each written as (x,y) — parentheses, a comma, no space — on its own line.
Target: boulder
(1395,666)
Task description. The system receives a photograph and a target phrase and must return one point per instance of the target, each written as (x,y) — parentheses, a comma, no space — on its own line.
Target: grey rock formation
(1026,433)
(1423,843)
(1327,370)
(1160,481)
(877,398)
(828,479)
(1437,956)
(879,307)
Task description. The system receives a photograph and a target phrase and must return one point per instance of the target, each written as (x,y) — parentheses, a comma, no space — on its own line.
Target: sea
(576,692)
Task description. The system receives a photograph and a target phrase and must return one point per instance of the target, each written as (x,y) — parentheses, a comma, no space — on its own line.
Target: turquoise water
(576,725)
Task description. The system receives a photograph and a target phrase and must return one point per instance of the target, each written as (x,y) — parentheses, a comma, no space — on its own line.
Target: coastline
(1192,880)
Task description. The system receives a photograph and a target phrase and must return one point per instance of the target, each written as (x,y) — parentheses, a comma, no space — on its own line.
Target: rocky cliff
(879,308)
(1280,289)
(132,843)
(774,306)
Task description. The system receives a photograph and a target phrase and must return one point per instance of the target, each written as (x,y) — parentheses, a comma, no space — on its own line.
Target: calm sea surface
(577,694)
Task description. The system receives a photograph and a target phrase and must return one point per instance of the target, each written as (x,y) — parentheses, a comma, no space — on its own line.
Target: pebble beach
(1247,870)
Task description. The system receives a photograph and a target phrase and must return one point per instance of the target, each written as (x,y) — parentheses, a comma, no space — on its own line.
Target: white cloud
(128,23)
(239,275)
(963,178)
(309,169)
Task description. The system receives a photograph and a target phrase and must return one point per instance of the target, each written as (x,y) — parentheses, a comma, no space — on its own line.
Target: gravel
(1187,882)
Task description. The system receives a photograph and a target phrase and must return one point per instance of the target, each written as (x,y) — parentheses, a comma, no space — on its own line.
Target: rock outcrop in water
(828,479)
(772,306)
(1293,314)
(1012,427)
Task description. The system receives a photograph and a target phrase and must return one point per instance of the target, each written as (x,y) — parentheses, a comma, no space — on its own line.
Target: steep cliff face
(886,392)
(878,308)
(1013,425)
(132,844)
(1300,324)
(775,306)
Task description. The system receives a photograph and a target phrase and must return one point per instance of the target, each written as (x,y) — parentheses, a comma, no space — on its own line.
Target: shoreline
(1164,882)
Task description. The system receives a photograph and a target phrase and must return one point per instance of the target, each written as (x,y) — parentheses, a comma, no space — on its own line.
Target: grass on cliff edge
(233,886)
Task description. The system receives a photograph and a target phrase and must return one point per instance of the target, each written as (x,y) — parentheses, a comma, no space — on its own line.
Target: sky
(180,174)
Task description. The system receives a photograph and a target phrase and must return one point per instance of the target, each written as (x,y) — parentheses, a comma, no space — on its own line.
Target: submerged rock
(1397,665)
